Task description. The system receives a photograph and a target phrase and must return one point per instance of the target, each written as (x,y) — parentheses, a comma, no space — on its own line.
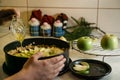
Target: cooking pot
(13,64)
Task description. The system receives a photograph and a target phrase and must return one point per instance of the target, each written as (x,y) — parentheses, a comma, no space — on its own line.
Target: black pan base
(9,72)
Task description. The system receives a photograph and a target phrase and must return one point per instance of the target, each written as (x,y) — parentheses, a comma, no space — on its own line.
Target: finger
(36,56)
(60,63)
(55,60)
(57,71)
(17,11)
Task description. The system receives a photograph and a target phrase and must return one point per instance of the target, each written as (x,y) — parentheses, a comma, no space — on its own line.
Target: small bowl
(98,69)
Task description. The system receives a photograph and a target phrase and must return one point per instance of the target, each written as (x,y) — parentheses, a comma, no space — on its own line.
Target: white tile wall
(13,3)
(109,20)
(109,3)
(105,13)
(24,15)
(63,3)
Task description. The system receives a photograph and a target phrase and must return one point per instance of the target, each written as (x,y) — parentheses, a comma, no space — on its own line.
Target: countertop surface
(113,61)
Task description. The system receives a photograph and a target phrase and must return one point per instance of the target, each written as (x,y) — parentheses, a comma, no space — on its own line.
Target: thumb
(37,55)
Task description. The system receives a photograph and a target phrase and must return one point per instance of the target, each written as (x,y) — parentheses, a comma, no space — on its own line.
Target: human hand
(7,14)
(35,69)
(46,69)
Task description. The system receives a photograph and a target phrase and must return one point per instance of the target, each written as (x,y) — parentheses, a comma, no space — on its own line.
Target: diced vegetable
(29,50)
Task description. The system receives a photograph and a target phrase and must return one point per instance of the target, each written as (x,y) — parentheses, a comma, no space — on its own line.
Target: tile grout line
(59,7)
(97,14)
(27,11)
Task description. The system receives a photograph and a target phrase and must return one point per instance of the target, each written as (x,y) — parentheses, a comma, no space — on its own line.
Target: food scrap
(82,68)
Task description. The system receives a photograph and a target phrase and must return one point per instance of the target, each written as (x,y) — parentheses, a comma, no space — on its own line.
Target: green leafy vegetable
(82,28)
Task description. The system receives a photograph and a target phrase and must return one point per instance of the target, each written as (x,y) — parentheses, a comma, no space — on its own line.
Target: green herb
(82,28)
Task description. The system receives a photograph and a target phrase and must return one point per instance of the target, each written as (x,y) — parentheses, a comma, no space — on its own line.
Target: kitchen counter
(74,55)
